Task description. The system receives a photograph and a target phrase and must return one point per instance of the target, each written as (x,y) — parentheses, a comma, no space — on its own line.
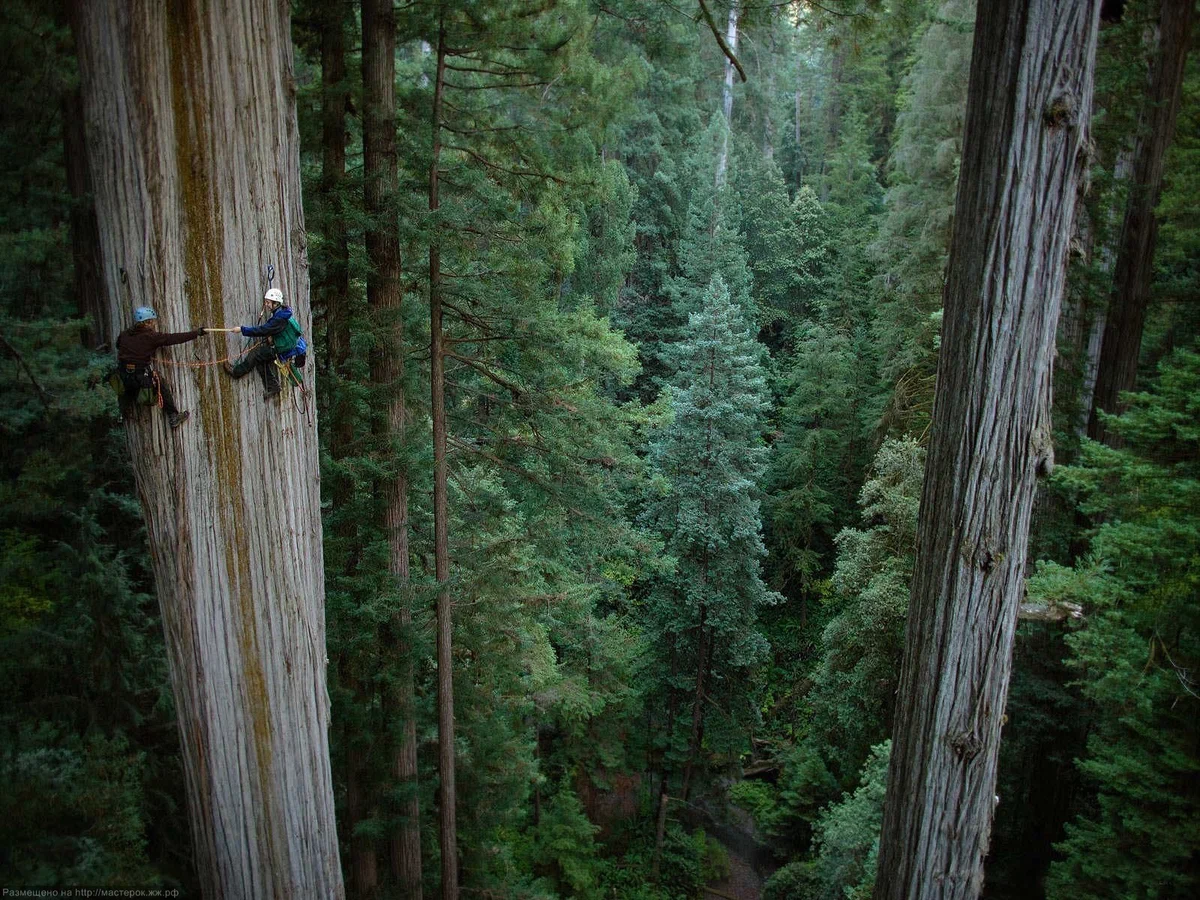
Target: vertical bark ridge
(1029,103)
(188,113)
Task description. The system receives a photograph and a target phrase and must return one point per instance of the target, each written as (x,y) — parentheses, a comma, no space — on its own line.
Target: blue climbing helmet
(144,314)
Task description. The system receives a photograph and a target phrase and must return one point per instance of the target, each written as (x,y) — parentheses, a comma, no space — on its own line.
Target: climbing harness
(292,381)
(288,370)
(143,377)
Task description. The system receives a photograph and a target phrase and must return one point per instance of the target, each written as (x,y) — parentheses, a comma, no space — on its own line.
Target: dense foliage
(693,331)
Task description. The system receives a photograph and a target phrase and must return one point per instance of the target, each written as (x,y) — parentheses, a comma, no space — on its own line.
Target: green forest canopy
(687,411)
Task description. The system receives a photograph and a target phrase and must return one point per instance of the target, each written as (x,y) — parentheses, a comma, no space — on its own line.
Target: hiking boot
(177,419)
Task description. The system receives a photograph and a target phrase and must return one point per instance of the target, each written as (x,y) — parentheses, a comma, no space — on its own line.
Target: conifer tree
(1134,266)
(779,254)
(526,446)
(1138,649)
(711,242)
(913,240)
(709,460)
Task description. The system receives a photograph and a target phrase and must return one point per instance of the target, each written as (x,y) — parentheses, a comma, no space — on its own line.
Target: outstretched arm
(180,337)
(272,326)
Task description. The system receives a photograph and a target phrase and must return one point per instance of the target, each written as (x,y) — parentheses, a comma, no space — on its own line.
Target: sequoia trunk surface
(193,151)
(1029,102)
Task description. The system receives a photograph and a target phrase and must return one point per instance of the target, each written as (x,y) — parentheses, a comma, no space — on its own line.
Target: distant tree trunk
(364,865)
(694,739)
(334,287)
(193,150)
(85,236)
(768,148)
(382,181)
(1029,102)
(447,829)
(1126,319)
(660,828)
(731,36)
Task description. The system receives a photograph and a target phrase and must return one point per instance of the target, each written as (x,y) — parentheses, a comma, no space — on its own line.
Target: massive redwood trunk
(1029,101)
(193,150)
(1126,319)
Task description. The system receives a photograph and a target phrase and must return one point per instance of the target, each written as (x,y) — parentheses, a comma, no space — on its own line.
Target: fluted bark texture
(193,149)
(1029,102)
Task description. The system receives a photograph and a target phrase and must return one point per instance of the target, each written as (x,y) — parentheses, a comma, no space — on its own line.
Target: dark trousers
(261,357)
(139,377)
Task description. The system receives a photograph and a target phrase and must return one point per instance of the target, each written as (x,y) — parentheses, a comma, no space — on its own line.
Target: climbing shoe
(228,367)
(177,419)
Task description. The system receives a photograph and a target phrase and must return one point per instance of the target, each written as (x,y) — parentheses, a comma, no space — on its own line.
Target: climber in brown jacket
(136,347)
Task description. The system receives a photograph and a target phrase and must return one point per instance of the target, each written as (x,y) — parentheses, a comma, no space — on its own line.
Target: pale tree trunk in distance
(447,826)
(193,148)
(1126,319)
(1029,102)
(731,35)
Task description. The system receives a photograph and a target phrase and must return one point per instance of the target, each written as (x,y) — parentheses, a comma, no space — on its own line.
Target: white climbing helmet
(274,295)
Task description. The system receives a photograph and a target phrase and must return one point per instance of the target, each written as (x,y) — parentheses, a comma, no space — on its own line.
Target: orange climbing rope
(197,364)
(289,379)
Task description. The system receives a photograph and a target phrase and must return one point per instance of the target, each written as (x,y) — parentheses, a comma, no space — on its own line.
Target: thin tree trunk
(1126,317)
(364,871)
(768,124)
(731,35)
(697,708)
(194,160)
(660,828)
(1029,103)
(334,288)
(447,830)
(1088,323)
(384,294)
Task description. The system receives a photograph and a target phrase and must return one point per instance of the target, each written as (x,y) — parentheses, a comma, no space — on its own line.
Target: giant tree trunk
(1126,319)
(1029,101)
(193,148)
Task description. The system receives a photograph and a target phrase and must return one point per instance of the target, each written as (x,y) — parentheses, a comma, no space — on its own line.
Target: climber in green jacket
(285,344)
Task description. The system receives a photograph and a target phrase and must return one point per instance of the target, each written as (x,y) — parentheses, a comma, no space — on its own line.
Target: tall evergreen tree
(709,460)
(1138,649)
(913,240)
